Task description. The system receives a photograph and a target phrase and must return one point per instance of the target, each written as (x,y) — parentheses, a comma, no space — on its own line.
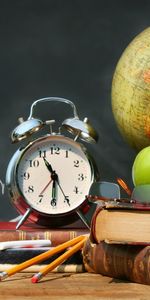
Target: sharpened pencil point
(3,275)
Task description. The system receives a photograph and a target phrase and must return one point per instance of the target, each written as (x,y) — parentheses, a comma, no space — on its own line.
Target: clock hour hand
(49,167)
(54,175)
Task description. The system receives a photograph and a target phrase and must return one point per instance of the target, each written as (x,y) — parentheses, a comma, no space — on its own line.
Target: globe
(130,92)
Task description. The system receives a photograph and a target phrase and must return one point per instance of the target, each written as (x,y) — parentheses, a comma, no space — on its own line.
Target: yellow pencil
(58,261)
(40,257)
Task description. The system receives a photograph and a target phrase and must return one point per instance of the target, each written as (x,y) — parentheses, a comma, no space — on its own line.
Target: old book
(19,255)
(121,223)
(11,257)
(129,262)
(32,231)
(63,268)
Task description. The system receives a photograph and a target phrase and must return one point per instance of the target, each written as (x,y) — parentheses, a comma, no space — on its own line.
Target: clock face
(54,175)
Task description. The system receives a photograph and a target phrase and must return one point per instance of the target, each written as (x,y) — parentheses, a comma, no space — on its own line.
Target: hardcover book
(12,257)
(124,223)
(31,231)
(19,255)
(127,262)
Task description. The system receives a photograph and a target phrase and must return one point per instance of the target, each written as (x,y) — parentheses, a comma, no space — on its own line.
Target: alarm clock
(49,176)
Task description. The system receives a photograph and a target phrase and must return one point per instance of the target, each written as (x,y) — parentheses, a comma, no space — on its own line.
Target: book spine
(119,261)
(92,235)
(55,236)
(64,268)
(17,256)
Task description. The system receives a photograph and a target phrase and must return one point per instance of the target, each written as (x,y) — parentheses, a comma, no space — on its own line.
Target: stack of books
(119,241)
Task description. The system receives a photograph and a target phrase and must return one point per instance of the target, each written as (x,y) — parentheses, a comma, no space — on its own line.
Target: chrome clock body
(49,178)
(30,182)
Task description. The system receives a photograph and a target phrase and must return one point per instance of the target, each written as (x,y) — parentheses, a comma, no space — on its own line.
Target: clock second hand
(66,199)
(46,187)
(53,173)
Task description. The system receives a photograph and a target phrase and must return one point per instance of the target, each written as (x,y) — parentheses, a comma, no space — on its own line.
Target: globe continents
(131,92)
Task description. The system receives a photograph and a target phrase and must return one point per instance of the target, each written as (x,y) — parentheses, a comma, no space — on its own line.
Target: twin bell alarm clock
(49,177)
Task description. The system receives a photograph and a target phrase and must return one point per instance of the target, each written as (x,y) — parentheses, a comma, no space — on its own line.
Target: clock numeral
(66,154)
(34,163)
(30,189)
(76,163)
(53,202)
(25,175)
(81,177)
(55,150)
(40,198)
(76,190)
(67,200)
(42,153)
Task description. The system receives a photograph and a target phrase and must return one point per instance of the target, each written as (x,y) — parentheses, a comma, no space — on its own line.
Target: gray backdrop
(67,49)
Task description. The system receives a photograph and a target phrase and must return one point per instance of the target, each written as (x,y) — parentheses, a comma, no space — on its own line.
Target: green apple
(141,167)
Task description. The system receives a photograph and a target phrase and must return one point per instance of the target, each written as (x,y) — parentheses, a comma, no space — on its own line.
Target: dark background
(68,49)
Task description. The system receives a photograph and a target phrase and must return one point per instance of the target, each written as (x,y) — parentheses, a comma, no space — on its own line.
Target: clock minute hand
(54,200)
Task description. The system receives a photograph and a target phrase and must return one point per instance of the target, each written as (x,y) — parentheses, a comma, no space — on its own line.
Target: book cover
(19,255)
(127,262)
(30,231)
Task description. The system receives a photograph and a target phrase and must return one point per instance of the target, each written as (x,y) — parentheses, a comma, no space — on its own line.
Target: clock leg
(24,218)
(86,218)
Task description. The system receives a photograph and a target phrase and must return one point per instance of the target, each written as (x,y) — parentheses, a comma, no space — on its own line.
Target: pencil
(40,257)
(58,261)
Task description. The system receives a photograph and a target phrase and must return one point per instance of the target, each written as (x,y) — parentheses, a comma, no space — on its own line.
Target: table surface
(73,286)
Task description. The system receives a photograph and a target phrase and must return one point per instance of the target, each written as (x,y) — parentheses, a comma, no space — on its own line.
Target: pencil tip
(3,275)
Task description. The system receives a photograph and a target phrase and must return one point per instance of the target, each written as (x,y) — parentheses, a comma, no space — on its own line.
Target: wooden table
(64,286)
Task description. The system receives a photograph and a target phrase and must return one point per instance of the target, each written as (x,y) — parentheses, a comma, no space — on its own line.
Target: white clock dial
(54,175)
